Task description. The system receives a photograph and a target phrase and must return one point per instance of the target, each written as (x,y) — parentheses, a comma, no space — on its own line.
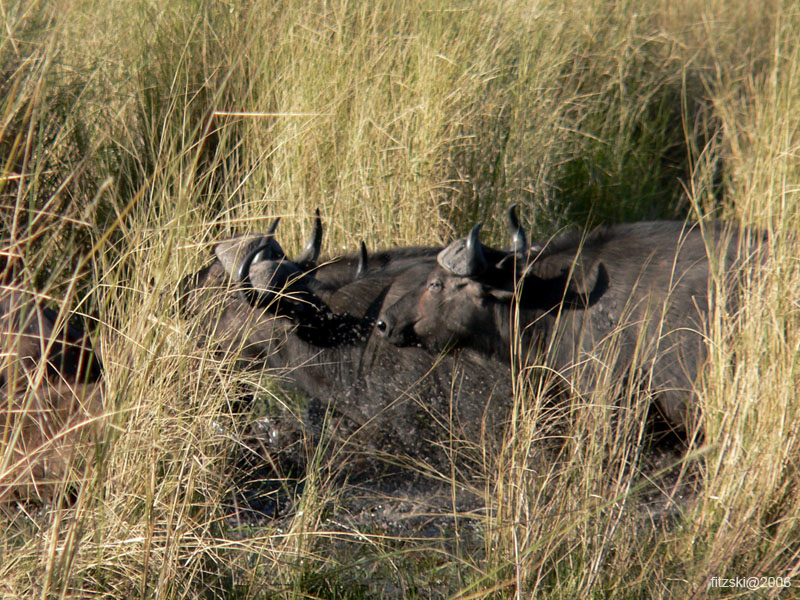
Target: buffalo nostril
(382,327)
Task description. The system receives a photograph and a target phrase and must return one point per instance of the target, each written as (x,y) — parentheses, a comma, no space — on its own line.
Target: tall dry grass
(133,134)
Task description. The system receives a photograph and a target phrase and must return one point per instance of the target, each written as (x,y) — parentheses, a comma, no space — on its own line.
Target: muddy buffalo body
(312,324)
(627,303)
(51,392)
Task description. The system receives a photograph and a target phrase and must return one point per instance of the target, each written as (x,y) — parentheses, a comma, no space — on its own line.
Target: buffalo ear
(498,294)
(509,260)
(582,274)
(584,277)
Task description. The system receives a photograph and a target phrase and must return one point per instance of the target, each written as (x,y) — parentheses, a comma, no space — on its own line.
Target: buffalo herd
(407,354)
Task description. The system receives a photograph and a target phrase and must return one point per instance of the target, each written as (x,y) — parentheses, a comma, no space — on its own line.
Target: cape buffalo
(633,297)
(50,383)
(312,325)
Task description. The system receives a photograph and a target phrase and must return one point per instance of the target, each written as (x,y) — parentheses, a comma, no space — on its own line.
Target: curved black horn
(243,272)
(308,257)
(362,261)
(519,243)
(270,249)
(476,261)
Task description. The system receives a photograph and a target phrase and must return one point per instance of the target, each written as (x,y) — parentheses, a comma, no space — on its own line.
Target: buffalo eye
(435,286)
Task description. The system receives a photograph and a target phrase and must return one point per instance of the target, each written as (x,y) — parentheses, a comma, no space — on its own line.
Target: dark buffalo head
(266,278)
(453,301)
(448,293)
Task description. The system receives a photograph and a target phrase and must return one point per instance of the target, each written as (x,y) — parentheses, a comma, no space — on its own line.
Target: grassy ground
(132,134)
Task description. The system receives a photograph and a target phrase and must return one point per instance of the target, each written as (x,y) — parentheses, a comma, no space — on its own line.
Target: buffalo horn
(267,248)
(465,257)
(270,249)
(308,257)
(477,261)
(519,243)
(362,261)
(263,251)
